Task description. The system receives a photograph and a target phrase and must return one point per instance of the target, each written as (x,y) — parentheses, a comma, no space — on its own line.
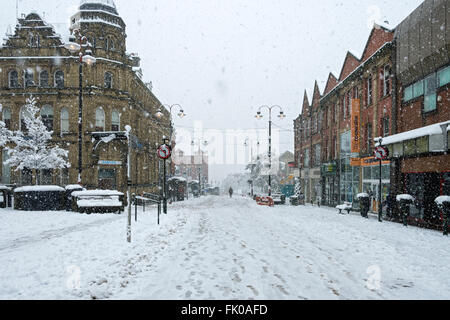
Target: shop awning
(432,130)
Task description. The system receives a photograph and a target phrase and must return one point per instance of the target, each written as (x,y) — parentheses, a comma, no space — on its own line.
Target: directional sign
(164,152)
(381,153)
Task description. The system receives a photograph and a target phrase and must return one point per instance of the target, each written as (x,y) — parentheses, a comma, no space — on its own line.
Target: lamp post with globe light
(85,56)
(259,116)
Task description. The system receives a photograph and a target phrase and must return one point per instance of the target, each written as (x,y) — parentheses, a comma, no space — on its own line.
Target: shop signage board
(109,163)
(356,139)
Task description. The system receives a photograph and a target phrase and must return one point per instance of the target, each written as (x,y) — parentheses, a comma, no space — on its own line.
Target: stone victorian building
(34,61)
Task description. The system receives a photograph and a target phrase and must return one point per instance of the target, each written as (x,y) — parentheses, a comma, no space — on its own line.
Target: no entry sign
(381,153)
(164,152)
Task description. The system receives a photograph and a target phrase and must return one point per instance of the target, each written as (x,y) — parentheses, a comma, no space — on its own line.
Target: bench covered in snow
(98,201)
(347,206)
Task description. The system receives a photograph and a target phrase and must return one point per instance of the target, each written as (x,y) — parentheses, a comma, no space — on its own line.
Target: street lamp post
(252,165)
(259,116)
(205,143)
(84,57)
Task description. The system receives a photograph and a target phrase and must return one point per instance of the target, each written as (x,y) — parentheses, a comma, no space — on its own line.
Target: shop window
(409,147)
(436,143)
(444,76)
(47,117)
(43,79)
(398,149)
(65,120)
(6,116)
(422,145)
(430,93)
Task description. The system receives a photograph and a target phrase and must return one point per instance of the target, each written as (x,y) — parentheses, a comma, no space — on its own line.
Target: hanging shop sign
(329,169)
(356,143)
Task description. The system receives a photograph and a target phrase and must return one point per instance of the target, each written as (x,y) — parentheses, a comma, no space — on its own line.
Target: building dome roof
(106,5)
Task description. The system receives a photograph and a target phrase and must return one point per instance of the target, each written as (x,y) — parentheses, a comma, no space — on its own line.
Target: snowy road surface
(219,248)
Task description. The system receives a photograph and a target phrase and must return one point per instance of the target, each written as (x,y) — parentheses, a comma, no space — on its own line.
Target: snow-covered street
(219,248)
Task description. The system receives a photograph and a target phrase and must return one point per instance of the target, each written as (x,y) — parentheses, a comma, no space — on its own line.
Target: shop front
(330,184)
(371,180)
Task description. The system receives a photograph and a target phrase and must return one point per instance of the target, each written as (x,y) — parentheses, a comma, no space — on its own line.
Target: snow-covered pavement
(219,248)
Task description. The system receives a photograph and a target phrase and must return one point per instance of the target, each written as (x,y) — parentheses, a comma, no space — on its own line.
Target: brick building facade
(33,61)
(399,91)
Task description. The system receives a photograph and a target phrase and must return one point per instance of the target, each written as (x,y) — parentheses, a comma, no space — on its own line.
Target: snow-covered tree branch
(32,148)
(5,134)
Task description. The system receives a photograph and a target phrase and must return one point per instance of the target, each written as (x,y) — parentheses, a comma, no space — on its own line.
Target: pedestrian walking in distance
(231,192)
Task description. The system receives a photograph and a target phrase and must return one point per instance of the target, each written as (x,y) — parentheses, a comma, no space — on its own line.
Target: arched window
(92,41)
(99,119)
(110,44)
(115,121)
(108,80)
(6,116)
(23,113)
(47,117)
(59,79)
(28,78)
(13,79)
(31,41)
(44,79)
(64,120)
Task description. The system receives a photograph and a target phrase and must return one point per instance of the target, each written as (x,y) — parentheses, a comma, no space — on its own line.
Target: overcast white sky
(222,59)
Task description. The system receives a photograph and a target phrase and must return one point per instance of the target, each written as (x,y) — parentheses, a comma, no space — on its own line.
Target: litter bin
(364,203)
(444,204)
(294,201)
(404,201)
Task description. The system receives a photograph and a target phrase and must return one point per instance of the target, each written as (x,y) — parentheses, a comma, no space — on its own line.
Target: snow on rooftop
(38,189)
(73,187)
(97,193)
(109,3)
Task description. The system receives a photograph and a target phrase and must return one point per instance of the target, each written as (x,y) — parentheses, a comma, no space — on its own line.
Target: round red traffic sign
(381,153)
(164,152)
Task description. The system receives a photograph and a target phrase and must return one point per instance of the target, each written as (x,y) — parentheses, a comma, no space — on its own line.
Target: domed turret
(100,22)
